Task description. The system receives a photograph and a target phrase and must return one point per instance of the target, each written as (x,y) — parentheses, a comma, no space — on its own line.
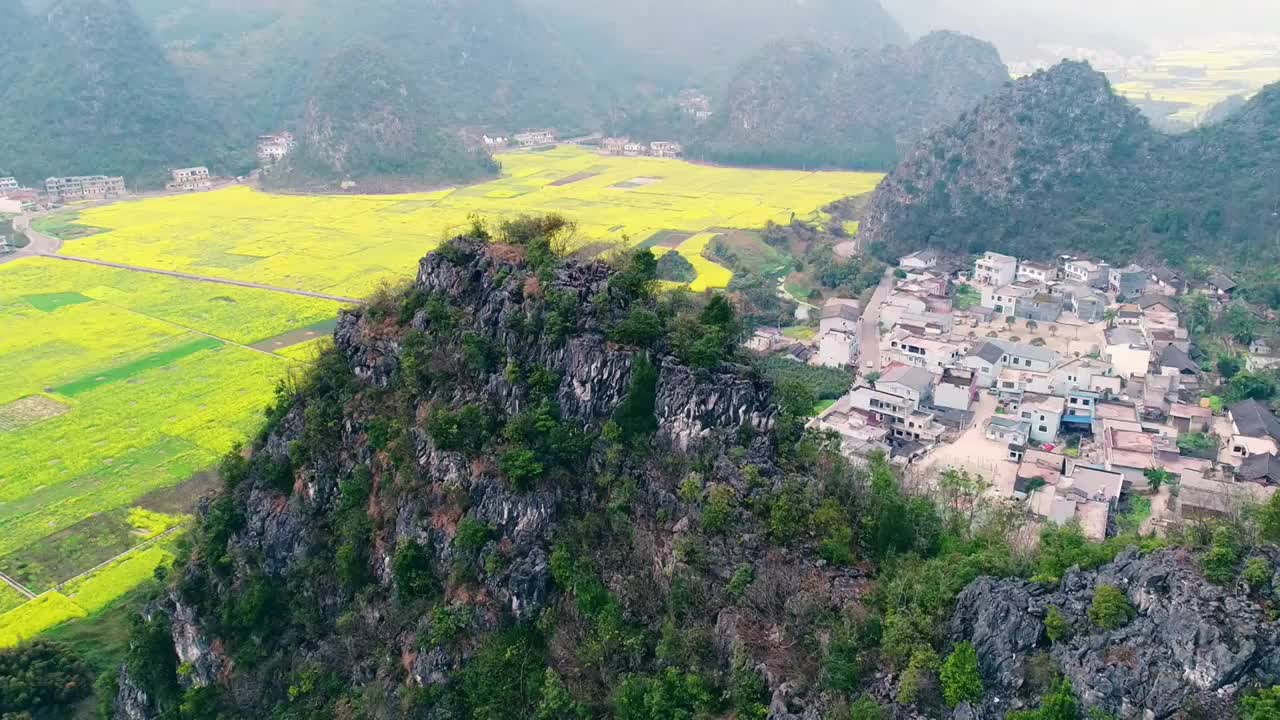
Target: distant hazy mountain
(1058,162)
(369,121)
(804,104)
(702,41)
(88,91)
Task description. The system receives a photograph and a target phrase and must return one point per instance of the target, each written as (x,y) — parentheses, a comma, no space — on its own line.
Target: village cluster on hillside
(1068,385)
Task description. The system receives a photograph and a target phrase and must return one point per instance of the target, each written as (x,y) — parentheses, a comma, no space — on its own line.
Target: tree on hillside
(1157,477)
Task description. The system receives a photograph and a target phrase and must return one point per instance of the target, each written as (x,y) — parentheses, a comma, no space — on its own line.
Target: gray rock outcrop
(1190,640)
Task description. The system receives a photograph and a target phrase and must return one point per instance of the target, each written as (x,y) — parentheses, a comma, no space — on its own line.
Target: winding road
(42,245)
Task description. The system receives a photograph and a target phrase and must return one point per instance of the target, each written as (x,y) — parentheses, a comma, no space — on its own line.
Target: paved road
(870,343)
(207,279)
(42,245)
(38,243)
(22,590)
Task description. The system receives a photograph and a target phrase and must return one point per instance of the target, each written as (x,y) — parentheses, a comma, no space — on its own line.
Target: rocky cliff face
(860,107)
(1190,642)
(1057,163)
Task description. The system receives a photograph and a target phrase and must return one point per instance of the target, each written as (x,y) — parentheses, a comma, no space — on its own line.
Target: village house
(190,179)
(1080,374)
(1087,273)
(633,149)
(1127,350)
(913,383)
(1012,384)
(1221,285)
(1036,469)
(1260,469)
(1040,307)
(8,185)
(1081,411)
(956,390)
(1127,281)
(1128,315)
(765,340)
(614,145)
(1255,430)
(1007,430)
(919,261)
(1187,419)
(840,315)
(908,423)
(1035,272)
(274,147)
(83,187)
(533,138)
(1004,300)
(1204,494)
(1162,338)
(1044,412)
(664,149)
(1088,304)
(1173,361)
(837,349)
(928,353)
(861,434)
(995,270)
(1165,281)
(1085,495)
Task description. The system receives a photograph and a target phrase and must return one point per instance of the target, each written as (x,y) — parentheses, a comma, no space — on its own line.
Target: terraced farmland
(347,245)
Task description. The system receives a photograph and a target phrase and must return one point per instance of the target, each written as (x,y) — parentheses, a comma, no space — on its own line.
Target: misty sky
(1015,25)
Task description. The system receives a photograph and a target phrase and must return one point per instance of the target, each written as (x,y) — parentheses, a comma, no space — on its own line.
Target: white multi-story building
(8,185)
(1044,412)
(192,178)
(1036,272)
(928,353)
(273,148)
(1004,299)
(995,269)
(533,138)
(1087,272)
(83,187)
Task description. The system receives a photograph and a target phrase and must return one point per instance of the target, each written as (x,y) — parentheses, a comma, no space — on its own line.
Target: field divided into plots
(118,387)
(347,245)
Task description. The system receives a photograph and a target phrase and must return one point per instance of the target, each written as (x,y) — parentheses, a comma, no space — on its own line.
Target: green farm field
(121,386)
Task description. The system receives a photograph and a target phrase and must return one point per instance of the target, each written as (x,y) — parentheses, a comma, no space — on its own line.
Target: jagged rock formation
(1059,163)
(1190,641)
(514,490)
(801,103)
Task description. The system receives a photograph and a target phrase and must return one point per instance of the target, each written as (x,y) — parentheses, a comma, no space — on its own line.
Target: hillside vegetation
(89,92)
(1059,163)
(529,488)
(369,122)
(803,104)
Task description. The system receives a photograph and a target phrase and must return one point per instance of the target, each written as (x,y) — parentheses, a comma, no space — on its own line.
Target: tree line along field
(347,245)
(125,387)
(118,387)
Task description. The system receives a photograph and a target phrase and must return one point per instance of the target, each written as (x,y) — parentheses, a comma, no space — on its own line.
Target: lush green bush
(1056,625)
(1219,563)
(43,679)
(961,681)
(1059,704)
(1262,705)
(674,267)
(1110,609)
(411,569)
(672,695)
(465,430)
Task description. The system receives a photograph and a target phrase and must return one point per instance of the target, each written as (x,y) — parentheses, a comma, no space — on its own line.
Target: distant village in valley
(1073,387)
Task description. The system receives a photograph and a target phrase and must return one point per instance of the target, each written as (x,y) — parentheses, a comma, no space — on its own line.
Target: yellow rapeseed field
(347,245)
